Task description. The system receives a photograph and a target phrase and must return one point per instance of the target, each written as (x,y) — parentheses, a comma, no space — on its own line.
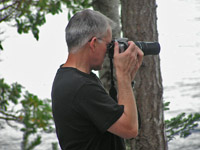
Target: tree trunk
(139,24)
(109,8)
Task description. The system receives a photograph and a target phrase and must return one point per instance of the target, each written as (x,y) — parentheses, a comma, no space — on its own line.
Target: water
(179,36)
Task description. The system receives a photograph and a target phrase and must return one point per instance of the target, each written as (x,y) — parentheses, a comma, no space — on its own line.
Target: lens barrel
(149,48)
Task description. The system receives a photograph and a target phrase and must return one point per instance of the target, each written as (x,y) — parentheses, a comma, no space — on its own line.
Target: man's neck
(78,60)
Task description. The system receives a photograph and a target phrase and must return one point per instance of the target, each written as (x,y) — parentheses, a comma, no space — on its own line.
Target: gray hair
(83,26)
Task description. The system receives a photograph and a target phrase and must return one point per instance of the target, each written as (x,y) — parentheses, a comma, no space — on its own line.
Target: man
(86,117)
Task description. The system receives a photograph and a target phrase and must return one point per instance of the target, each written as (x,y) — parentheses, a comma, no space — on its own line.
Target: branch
(5,17)
(12,9)
(9,116)
(7,119)
(6,7)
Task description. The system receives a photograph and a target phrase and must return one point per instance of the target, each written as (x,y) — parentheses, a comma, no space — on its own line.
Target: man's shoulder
(72,73)
(73,77)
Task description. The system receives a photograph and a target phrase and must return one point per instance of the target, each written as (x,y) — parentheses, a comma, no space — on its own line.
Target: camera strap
(112,91)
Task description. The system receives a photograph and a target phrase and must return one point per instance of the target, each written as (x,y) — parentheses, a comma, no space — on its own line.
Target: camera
(148,48)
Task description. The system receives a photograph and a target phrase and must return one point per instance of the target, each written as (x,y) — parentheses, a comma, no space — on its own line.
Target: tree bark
(111,10)
(139,23)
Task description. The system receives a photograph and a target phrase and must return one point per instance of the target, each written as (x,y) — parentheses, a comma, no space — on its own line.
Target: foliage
(54,146)
(28,15)
(181,125)
(33,113)
(166,106)
(128,144)
(8,94)
(77,5)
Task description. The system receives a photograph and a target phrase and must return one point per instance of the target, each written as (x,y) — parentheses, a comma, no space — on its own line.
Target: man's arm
(127,64)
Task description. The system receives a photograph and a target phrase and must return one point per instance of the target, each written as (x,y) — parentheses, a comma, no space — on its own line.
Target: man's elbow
(131,133)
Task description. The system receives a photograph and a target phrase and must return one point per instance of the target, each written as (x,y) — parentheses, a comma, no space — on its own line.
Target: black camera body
(148,48)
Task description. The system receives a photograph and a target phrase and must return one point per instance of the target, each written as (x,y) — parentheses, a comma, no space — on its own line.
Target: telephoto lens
(148,48)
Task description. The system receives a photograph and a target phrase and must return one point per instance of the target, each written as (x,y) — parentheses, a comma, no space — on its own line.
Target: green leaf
(166,106)
(1,47)
(35,32)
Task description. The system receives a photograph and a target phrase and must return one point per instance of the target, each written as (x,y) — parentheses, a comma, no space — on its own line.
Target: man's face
(102,44)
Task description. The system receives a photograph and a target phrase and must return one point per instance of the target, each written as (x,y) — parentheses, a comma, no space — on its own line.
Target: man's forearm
(126,97)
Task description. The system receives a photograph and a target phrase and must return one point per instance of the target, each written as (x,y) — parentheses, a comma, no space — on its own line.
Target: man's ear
(92,43)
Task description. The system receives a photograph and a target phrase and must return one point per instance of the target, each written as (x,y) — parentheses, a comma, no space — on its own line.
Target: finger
(130,43)
(140,56)
(132,47)
(116,48)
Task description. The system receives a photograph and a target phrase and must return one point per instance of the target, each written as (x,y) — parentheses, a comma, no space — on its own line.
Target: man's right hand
(128,62)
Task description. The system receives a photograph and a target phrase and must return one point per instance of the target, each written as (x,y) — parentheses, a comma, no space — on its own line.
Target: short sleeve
(95,104)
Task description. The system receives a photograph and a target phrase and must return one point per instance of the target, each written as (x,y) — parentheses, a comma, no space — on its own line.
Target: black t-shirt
(83,111)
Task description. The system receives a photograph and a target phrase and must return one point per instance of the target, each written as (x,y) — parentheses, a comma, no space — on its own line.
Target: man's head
(85,25)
